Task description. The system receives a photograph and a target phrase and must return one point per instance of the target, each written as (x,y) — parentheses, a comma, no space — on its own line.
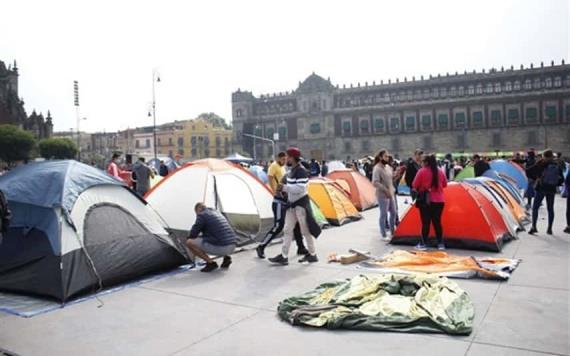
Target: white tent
(243,199)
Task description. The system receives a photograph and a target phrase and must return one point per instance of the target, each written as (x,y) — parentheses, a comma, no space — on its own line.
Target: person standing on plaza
(567,187)
(324,168)
(162,169)
(143,173)
(383,181)
(480,165)
(113,166)
(429,184)
(530,191)
(412,168)
(314,168)
(276,172)
(295,185)
(548,176)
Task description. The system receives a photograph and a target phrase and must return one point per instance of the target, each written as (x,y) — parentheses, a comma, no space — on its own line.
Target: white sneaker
(386,238)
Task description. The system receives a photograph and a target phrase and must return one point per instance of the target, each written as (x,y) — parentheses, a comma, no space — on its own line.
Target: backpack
(551,175)
(5,213)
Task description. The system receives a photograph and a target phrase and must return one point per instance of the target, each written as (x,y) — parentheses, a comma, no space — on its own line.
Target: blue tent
(259,173)
(169,162)
(76,229)
(506,168)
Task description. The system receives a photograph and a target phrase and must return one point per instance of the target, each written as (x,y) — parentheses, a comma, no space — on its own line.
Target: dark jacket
(412,168)
(215,229)
(163,170)
(305,202)
(481,167)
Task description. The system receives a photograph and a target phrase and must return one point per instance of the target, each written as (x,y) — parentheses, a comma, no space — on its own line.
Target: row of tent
(75,229)
(480,213)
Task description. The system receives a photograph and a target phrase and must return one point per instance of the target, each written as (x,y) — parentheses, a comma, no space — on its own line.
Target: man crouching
(218,237)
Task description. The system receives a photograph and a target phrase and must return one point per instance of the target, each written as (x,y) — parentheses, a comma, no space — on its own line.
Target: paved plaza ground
(234,312)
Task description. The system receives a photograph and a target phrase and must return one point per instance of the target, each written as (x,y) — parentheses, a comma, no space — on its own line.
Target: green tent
(386,302)
(318,214)
(467,172)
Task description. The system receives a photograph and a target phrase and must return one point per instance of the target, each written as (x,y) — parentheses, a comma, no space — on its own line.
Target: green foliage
(214,119)
(58,148)
(15,144)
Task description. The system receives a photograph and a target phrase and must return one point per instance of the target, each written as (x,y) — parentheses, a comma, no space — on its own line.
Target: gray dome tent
(76,229)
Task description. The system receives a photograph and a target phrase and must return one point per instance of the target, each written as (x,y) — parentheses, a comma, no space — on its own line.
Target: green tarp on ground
(467,172)
(389,302)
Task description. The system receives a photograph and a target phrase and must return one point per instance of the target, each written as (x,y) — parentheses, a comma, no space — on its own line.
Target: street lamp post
(155,79)
(263,139)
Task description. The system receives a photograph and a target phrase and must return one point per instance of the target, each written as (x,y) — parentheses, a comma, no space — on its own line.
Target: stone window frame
(508,86)
(489,88)
(443,92)
(526,114)
(474,122)
(493,120)
(455,115)
(413,128)
(461,90)
(346,123)
(280,130)
(381,119)
(479,89)
(471,90)
(527,85)
(517,85)
(435,92)
(422,117)
(557,82)
(361,127)
(453,91)
(315,128)
(548,83)
(438,122)
(537,83)
(547,118)
(498,87)
(399,124)
(518,118)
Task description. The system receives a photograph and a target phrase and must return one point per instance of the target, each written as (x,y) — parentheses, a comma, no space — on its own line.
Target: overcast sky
(204,50)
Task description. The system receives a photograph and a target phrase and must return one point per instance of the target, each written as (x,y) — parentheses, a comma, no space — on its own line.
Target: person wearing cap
(299,211)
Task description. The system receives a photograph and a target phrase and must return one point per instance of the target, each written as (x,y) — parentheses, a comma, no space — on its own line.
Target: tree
(15,144)
(58,148)
(214,119)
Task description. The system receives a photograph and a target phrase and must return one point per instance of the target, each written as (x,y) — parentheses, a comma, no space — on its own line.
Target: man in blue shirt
(218,237)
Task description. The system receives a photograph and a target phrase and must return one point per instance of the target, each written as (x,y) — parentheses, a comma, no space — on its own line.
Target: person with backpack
(549,177)
(5,215)
(567,187)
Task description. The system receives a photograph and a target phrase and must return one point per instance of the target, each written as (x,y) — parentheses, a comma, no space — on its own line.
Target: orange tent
(361,192)
(470,220)
(518,211)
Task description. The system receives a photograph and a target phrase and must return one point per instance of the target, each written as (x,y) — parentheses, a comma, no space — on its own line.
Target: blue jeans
(387,206)
(538,198)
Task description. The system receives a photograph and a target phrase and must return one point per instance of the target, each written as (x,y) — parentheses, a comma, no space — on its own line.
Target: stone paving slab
(234,312)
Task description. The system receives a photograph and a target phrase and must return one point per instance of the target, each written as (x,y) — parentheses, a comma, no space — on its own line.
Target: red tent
(470,221)
(362,192)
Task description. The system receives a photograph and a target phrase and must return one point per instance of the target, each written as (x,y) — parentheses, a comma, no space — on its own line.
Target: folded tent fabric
(470,220)
(441,263)
(387,302)
(362,192)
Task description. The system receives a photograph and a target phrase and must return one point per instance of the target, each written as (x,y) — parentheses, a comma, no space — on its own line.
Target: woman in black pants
(430,180)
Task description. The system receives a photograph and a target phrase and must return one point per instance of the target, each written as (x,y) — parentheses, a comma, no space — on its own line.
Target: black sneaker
(302,251)
(549,232)
(532,231)
(260,251)
(567,230)
(209,267)
(227,262)
(309,258)
(280,260)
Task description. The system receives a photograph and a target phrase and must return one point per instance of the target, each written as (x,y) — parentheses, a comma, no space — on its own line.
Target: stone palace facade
(497,110)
